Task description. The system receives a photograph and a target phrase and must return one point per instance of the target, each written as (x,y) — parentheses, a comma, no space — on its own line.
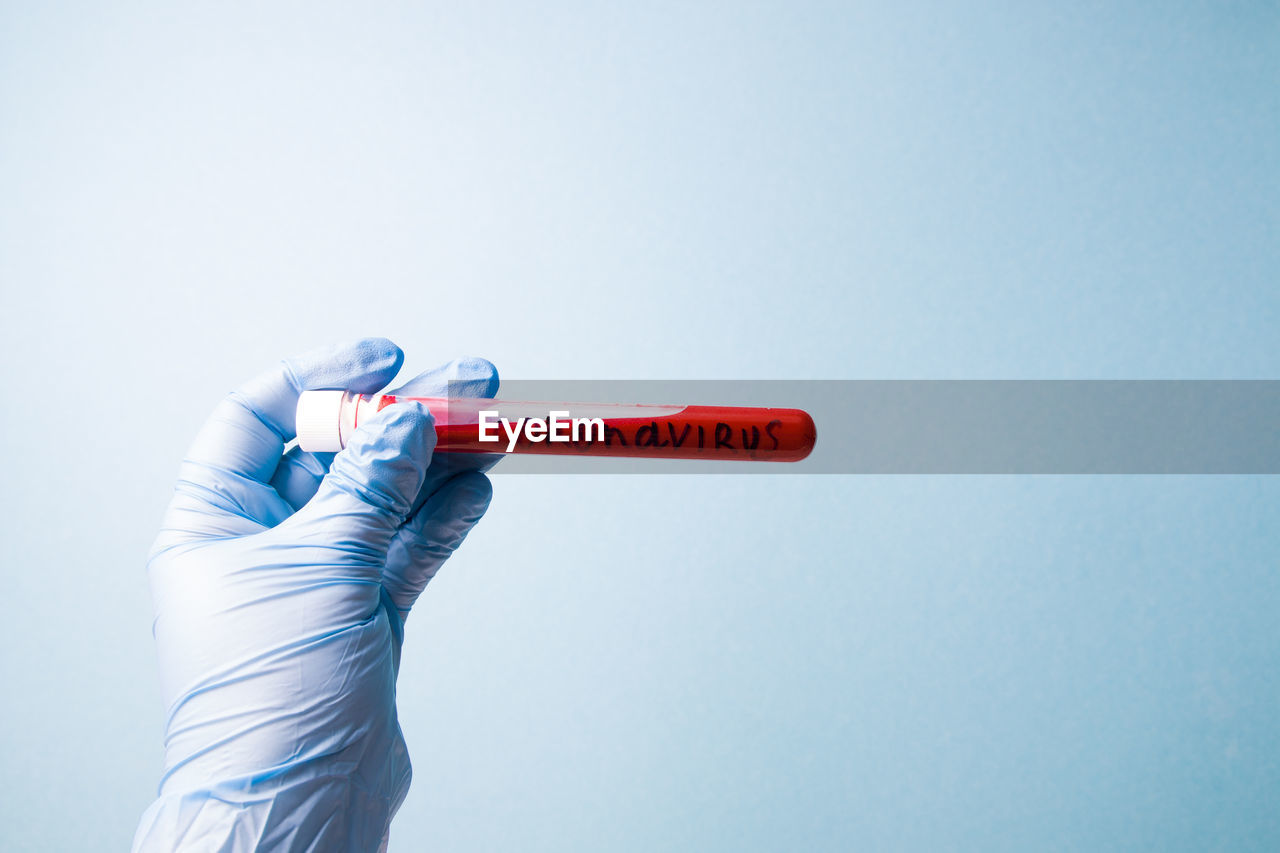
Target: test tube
(325,420)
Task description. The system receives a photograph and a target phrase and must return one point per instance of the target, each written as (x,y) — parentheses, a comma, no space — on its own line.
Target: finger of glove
(462,377)
(369,490)
(246,434)
(299,473)
(432,534)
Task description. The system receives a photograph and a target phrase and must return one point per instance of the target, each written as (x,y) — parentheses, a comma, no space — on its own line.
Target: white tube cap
(319,421)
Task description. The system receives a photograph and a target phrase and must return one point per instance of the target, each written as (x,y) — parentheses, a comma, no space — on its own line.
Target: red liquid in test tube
(466,425)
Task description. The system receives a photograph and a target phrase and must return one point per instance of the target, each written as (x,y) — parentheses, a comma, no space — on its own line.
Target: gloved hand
(281,582)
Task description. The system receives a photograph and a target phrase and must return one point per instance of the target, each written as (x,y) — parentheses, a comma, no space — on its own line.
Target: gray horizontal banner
(957,427)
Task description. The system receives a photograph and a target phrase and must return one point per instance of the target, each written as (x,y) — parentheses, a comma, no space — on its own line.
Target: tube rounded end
(807,436)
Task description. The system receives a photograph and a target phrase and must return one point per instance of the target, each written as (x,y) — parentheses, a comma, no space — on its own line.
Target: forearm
(297,812)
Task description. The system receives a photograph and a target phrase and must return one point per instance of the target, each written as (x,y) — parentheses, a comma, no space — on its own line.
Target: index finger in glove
(462,377)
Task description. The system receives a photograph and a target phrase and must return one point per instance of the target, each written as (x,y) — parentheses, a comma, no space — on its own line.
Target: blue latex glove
(281,582)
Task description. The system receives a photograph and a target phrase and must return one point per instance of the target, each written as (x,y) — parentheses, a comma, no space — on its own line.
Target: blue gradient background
(737,190)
